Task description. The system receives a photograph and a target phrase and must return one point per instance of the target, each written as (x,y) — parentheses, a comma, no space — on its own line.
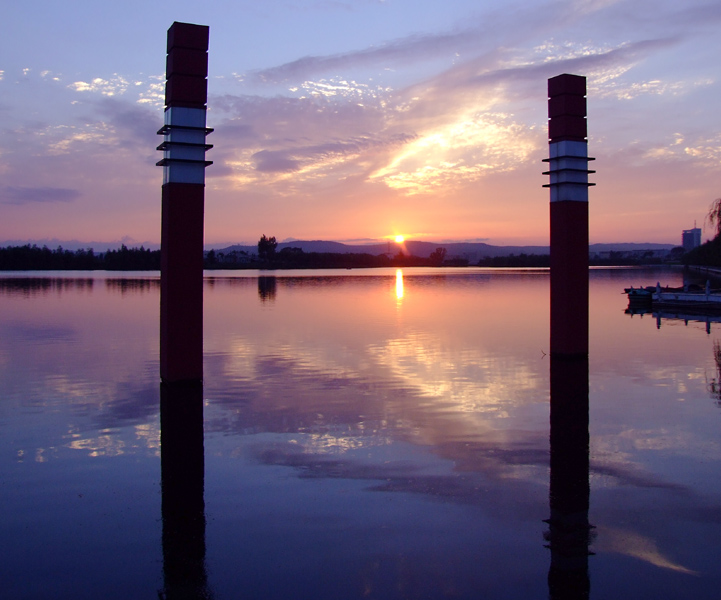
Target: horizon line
(53,243)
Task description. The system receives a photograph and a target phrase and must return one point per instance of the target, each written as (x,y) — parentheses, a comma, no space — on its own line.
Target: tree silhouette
(437,256)
(708,253)
(266,247)
(713,218)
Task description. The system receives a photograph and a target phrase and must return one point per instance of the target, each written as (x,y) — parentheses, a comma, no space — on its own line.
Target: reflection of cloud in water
(110,404)
(101,418)
(470,380)
(621,472)
(637,546)
(108,443)
(467,381)
(33,332)
(339,442)
(418,474)
(619,450)
(128,405)
(102,445)
(412,388)
(678,442)
(339,409)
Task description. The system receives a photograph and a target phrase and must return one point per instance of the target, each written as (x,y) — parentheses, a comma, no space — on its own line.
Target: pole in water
(569,532)
(568,171)
(182,469)
(183,197)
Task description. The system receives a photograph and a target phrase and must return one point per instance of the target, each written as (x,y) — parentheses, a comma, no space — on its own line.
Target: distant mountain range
(473,251)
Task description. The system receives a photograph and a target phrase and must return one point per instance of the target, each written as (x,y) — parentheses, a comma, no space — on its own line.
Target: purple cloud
(289,160)
(414,48)
(135,125)
(28,195)
(269,161)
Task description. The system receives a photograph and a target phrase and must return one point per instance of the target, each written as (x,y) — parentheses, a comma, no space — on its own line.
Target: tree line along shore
(34,258)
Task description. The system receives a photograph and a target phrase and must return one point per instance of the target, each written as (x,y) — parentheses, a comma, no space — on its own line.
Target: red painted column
(569,532)
(183,147)
(568,162)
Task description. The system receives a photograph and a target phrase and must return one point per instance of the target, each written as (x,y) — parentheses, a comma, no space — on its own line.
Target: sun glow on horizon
(399,239)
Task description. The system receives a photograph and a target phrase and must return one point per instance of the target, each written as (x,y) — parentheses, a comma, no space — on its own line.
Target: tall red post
(184,146)
(568,170)
(569,533)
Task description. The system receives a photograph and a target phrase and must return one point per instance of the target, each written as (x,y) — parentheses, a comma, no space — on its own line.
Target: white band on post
(184,145)
(568,171)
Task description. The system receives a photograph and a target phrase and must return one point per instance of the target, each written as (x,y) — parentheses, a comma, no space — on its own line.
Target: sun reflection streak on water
(399,286)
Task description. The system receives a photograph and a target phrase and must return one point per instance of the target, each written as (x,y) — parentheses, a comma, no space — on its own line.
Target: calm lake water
(367,434)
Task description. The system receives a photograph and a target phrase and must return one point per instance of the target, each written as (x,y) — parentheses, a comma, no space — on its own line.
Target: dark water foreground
(366,435)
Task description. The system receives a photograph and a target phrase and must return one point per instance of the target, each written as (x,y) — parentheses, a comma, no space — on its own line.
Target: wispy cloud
(496,31)
(413,48)
(444,131)
(135,125)
(116,85)
(28,195)
(304,156)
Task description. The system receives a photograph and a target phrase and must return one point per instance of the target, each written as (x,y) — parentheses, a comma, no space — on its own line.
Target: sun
(399,239)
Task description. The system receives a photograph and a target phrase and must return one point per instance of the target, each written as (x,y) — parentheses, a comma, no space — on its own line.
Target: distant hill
(473,251)
(74,245)
(629,247)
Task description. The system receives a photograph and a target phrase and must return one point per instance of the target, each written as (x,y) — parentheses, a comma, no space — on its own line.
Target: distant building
(691,238)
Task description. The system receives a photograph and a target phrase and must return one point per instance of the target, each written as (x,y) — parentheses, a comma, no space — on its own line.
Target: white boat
(687,297)
(690,297)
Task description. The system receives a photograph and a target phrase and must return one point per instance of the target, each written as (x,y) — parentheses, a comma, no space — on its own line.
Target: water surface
(367,434)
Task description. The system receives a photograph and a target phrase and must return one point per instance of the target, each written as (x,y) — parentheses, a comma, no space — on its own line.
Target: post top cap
(188,35)
(566,84)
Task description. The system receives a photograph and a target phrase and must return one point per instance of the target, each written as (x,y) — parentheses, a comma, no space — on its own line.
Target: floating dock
(689,298)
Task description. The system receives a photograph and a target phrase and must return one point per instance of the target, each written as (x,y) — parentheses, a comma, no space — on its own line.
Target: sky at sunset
(356,120)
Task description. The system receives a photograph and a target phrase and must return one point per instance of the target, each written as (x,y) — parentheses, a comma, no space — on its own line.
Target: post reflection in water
(569,533)
(183,506)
